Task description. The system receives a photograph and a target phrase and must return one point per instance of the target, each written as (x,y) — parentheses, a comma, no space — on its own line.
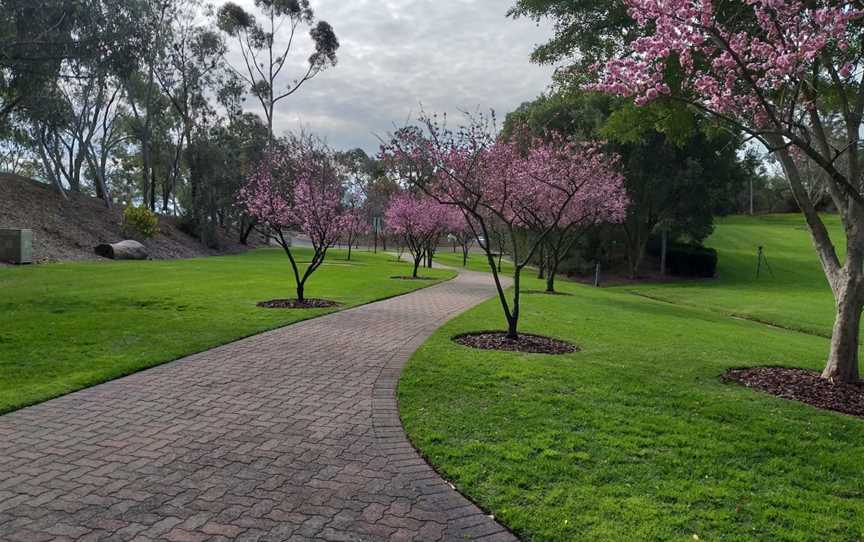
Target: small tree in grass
(353,226)
(500,185)
(417,221)
(462,233)
(297,189)
(598,201)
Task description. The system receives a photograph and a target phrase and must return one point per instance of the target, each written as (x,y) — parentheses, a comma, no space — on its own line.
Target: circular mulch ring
(804,386)
(528,343)
(294,304)
(409,277)
(544,292)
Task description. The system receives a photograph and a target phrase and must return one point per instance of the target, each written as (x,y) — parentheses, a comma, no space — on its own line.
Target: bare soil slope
(69,229)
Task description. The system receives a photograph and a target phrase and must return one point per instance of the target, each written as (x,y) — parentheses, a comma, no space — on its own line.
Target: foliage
(688,260)
(788,74)
(112,319)
(297,188)
(679,171)
(503,185)
(263,59)
(419,221)
(141,221)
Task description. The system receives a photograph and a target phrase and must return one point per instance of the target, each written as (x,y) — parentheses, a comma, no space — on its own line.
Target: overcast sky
(396,54)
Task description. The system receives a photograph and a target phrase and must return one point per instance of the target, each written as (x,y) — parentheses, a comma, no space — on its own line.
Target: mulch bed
(294,304)
(532,344)
(802,385)
(409,277)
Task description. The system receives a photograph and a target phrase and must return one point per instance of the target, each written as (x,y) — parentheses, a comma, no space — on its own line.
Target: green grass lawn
(476,261)
(797,296)
(67,326)
(635,437)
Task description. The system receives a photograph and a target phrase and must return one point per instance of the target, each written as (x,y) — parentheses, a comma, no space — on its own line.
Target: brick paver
(288,435)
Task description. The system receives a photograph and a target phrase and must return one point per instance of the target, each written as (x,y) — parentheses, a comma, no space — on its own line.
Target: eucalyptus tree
(188,70)
(265,55)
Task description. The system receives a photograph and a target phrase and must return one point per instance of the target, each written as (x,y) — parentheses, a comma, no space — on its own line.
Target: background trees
(135,97)
(419,221)
(787,74)
(679,170)
(503,185)
(265,58)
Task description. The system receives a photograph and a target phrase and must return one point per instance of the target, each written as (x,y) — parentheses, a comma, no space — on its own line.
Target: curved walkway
(289,435)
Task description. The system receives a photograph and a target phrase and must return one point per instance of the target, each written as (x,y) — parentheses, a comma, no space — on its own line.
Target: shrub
(141,221)
(687,260)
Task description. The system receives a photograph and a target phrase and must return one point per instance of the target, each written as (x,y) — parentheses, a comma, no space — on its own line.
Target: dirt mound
(69,229)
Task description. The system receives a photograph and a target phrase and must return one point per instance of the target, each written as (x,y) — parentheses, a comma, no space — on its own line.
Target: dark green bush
(687,260)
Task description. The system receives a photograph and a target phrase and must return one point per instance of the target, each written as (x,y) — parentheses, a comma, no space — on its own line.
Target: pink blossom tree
(297,190)
(462,232)
(499,185)
(783,72)
(418,221)
(353,226)
(601,198)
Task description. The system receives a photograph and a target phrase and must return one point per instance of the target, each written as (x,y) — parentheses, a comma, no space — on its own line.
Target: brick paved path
(256,440)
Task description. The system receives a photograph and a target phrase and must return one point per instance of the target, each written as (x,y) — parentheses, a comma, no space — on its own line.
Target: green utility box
(16,246)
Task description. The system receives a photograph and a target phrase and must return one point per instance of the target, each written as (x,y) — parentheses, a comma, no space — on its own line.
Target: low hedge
(687,260)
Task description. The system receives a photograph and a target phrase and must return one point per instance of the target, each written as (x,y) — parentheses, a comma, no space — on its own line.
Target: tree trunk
(350,242)
(301,296)
(124,250)
(416,265)
(513,317)
(153,191)
(847,282)
(465,256)
(550,274)
(635,253)
(842,364)
(512,328)
(663,235)
(246,230)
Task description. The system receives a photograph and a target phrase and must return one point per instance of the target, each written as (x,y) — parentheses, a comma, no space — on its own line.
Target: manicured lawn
(797,296)
(476,261)
(67,326)
(636,438)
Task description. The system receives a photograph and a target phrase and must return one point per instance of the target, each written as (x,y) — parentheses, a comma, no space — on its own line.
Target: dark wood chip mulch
(409,277)
(497,340)
(803,385)
(294,304)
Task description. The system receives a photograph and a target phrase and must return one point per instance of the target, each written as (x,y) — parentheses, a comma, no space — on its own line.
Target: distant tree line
(138,102)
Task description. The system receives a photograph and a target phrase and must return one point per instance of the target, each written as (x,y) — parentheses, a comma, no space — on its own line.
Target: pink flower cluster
(735,69)
(549,183)
(298,192)
(419,219)
(554,183)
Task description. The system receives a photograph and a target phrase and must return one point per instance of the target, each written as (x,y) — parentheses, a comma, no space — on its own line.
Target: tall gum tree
(265,57)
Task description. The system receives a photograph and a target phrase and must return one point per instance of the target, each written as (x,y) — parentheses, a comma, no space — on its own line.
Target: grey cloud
(448,55)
